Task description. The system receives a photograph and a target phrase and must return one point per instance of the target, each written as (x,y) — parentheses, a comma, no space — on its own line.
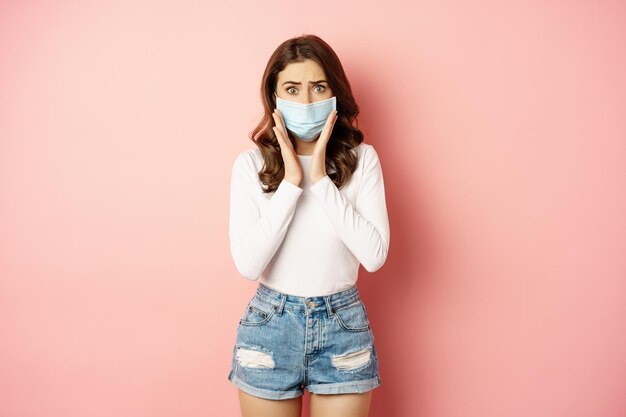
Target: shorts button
(311,304)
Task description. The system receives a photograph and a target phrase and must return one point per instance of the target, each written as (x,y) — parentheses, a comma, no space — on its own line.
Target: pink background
(501,131)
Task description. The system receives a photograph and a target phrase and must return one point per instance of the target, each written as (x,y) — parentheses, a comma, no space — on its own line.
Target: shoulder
(365,149)
(247,164)
(248,158)
(367,154)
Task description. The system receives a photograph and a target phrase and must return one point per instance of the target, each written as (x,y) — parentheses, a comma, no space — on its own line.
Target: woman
(307,207)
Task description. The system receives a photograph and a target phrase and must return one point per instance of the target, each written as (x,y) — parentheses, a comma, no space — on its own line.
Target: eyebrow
(310,82)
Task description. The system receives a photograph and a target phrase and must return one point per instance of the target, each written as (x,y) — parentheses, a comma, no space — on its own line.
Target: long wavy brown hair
(341,157)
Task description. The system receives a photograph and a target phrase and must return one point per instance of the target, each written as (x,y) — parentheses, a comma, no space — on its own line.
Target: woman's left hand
(318,163)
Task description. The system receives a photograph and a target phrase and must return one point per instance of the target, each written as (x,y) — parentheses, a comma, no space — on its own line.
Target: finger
(283,142)
(279,137)
(330,121)
(280,127)
(328,127)
(277,127)
(278,117)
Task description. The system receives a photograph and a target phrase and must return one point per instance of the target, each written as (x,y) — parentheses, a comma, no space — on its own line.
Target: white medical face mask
(306,121)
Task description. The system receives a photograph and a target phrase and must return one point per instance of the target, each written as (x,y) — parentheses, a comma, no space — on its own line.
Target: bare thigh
(341,405)
(252,406)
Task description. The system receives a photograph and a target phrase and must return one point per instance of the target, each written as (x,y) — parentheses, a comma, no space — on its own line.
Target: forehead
(302,71)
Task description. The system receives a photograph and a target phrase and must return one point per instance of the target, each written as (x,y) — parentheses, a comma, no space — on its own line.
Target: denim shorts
(286,344)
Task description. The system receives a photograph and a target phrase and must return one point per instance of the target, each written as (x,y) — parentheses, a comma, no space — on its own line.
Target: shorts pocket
(258,312)
(353,317)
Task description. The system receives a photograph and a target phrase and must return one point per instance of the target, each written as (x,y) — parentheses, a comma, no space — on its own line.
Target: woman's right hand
(293,169)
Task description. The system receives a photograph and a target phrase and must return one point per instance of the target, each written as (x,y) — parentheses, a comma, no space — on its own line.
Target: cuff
(289,188)
(322,183)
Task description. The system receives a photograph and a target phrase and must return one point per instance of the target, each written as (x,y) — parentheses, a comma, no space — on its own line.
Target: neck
(305,148)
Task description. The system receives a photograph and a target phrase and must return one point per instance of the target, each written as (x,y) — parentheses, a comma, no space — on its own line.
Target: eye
(290,88)
(320,85)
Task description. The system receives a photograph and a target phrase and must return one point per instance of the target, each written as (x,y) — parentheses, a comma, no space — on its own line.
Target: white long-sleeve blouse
(308,240)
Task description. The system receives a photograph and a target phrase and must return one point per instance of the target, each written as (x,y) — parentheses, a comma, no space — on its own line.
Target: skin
(322,405)
(305,93)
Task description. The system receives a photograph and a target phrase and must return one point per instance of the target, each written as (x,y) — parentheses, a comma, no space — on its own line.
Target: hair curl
(341,159)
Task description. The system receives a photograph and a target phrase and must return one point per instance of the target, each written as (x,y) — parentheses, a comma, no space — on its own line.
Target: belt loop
(329,307)
(283,299)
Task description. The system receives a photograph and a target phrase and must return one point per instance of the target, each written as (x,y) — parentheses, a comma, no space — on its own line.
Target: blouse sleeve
(254,238)
(364,227)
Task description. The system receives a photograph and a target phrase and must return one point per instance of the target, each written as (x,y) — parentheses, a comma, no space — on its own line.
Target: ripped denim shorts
(286,344)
